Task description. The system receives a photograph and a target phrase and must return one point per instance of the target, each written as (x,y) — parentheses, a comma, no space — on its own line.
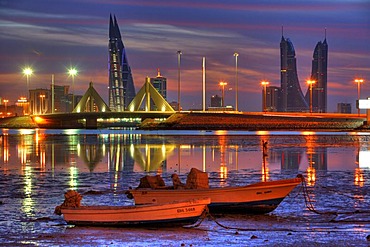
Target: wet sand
(30,192)
(32,222)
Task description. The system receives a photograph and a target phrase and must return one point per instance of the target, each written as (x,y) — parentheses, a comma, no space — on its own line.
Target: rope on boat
(308,203)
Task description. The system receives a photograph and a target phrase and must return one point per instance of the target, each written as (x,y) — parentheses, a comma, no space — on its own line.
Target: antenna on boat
(264,155)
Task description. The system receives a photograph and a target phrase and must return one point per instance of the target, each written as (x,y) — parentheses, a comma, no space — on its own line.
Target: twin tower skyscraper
(288,98)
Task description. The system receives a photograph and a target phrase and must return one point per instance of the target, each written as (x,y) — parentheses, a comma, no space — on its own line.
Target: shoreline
(198,120)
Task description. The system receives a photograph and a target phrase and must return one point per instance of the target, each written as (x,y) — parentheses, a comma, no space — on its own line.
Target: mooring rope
(310,206)
(308,203)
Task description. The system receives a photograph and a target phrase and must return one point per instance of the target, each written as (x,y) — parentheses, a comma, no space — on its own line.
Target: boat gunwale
(260,185)
(137,208)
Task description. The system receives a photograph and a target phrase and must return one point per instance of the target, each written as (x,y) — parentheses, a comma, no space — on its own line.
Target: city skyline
(54,37)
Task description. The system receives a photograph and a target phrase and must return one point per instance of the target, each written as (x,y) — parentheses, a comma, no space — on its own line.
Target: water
(38,166)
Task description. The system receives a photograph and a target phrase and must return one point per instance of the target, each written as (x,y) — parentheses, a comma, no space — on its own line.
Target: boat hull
(257,198)
(174,213)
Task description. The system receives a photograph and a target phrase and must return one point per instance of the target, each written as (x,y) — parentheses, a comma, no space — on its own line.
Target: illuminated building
(320,75)
(272,98)
(39,101)
(23,103)
(344,108)
(61,99)
(292,98)
(121,83)
(160,83)
(216,101)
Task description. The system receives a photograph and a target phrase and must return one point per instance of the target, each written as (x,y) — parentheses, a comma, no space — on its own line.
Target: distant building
(61,99)
(292,98)
(216,101)
(320,75)
(344,108)
(272,98)
(40,101)
(121,82)
(160,83)
(174,105)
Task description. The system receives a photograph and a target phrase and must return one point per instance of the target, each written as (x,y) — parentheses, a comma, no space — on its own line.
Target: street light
(310,83)
(223,84)
(236,80)
(264,84)
(28,72)
(179,53)
(6,106)
(358,81)
(73,72)
(42,98)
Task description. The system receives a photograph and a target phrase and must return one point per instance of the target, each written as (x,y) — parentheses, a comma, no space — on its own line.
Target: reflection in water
(27,202)
(359,177)
(156,153)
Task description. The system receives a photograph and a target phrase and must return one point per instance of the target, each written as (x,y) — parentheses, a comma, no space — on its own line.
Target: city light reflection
(73,178)
(359,177)
(28,202)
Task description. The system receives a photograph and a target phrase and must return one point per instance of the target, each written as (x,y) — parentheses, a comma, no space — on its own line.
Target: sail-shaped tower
(320,75)
(292,98)
(121,83)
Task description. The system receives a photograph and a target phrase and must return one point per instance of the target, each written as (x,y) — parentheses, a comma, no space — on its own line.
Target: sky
(51,36)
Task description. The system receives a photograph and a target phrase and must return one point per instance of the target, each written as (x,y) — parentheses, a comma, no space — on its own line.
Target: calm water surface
(38,166)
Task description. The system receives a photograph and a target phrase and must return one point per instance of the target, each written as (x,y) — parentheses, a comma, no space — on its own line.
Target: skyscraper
(160,83)
(121,83)
(320,75)
(292,98)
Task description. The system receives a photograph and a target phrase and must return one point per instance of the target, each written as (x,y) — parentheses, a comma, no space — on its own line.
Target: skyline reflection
(115,152)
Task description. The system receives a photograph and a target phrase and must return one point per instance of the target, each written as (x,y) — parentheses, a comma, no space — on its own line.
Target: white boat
(172,213)
(258,198)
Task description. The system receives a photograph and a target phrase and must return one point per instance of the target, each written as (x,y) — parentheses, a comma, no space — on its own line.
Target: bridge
(94,120)
(92,112)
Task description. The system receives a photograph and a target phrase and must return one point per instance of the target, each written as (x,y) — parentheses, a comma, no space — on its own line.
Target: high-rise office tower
(160,83)
(320,75)
(121,83)
(292,98)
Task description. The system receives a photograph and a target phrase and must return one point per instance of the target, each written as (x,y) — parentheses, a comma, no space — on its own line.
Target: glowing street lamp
(28,72)
(358,81)
(236,80)
(73,72)
(310,83)
(6,106)
(264,84)
(223,84)
(179,53)
(42,98)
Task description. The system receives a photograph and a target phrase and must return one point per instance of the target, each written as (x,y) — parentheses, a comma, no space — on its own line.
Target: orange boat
(258,198)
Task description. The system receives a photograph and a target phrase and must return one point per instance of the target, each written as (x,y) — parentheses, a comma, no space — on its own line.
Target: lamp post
(73,72)
(358,81)
(236,80)
(264,84)
(42,98)
(179,53)
(310,83)
(28,72)
(223,84)
(6,106)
